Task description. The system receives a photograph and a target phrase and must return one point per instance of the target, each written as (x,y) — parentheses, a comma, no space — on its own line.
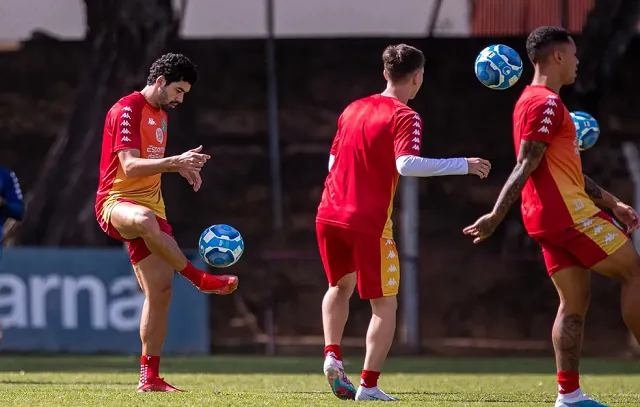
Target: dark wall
(497,289)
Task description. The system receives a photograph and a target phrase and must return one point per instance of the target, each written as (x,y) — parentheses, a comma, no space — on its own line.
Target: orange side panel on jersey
(389,267)
(603,233)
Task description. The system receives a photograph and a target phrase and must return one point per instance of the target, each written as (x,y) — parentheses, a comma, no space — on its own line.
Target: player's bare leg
(335,312)
(574,289)
(155,277)
(134,221)
(380,335)
(624,265)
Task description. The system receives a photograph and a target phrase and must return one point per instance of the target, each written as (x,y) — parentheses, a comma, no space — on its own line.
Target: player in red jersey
(378,139)
(559,208)
(130,208)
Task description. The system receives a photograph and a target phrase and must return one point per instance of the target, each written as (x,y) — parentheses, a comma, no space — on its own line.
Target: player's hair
(174,68)
(541,41)
(401,60)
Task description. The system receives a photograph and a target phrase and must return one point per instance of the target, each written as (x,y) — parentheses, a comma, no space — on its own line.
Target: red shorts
(584,244)
(374,259)
(138,249)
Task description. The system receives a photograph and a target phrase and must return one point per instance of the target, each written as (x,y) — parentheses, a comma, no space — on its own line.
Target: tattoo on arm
(531,153)
(591,188)
(567,341)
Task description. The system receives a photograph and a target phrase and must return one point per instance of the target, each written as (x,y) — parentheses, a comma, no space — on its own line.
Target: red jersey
(132,123)
(372,133)
(553,199)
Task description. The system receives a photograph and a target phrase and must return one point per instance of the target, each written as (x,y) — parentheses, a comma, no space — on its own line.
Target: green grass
(261,381)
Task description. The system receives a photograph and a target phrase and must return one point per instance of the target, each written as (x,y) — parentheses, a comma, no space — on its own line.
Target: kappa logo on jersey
(124,139)
(546,120)
(543,129)
(416,147)
(392,269)
(125,115)
(152,122)
(127,109)
(551,102)
(125,123)
(389,242)
(587,222)
(610,237)
(416,117)
(125,131)
(391,255)
(416,132)
(416,124)
(416,140)
(549,112)
(392,282)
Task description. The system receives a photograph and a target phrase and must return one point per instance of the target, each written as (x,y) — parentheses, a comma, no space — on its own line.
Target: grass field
(261,381)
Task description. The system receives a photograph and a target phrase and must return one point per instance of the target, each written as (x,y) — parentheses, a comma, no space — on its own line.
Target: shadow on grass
(295,365)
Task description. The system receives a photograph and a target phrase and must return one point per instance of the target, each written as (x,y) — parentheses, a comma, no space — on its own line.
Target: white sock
(573,396)
(334,361)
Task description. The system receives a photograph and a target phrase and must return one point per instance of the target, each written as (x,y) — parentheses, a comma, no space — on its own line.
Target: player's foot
(156,384)
(580,400)
(373,394)
(337,378)
(221,285)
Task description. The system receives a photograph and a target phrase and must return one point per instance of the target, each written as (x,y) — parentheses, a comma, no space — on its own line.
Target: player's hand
(479,167)
(483,228)
(192,160)
(627,215)
(193,178)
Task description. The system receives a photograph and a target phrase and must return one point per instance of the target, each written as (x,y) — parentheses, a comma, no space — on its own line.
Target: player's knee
(384,305)
(577,302)
(145,222)
(159,296)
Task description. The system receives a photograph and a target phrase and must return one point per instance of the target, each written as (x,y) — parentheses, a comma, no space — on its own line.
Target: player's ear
(161,81)
(557,56)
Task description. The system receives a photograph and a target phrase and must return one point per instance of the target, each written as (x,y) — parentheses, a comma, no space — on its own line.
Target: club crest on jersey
(164,125)
(159,135)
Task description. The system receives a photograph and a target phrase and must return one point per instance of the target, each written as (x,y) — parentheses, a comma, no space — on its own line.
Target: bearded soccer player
(130,208)
(378,139)
(560,208)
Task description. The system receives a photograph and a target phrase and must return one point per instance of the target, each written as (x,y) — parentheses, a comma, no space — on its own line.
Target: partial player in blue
(498,67)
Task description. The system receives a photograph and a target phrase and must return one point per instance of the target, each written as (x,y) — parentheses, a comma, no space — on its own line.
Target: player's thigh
(604,247)
(130,219)
(377,265)
(574,289)
(154,275)
(336,254)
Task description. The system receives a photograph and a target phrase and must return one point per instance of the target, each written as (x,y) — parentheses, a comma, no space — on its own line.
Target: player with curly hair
(129,205)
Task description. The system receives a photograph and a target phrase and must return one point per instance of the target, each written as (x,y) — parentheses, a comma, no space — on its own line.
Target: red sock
(369,378)
(335,349)
(568,382)
(192,274)
(149,368)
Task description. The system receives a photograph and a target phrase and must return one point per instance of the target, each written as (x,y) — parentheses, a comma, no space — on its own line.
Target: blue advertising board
(89,301)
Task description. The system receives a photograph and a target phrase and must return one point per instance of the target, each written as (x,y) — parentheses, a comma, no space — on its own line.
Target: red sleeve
(544,118)
(125,119)
(336,139)
(408,134)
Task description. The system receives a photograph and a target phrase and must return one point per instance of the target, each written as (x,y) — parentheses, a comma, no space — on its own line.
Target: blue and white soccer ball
(498,67)
(587,129)
(221,245)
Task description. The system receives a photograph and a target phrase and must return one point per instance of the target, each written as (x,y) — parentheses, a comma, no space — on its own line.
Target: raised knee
(385,304)
(145,222)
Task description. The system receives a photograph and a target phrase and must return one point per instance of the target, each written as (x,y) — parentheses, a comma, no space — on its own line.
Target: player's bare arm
(135,166)
(531,153)
(622,211)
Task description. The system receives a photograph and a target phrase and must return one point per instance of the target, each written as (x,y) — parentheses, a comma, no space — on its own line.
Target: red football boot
(156,384)
(221,285)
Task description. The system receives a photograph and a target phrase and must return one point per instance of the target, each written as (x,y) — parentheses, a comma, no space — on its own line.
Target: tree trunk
(124,37)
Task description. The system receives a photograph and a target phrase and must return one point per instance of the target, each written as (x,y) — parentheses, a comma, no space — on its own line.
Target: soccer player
(130,208)
(559,208)
(379,138)
(11,204)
